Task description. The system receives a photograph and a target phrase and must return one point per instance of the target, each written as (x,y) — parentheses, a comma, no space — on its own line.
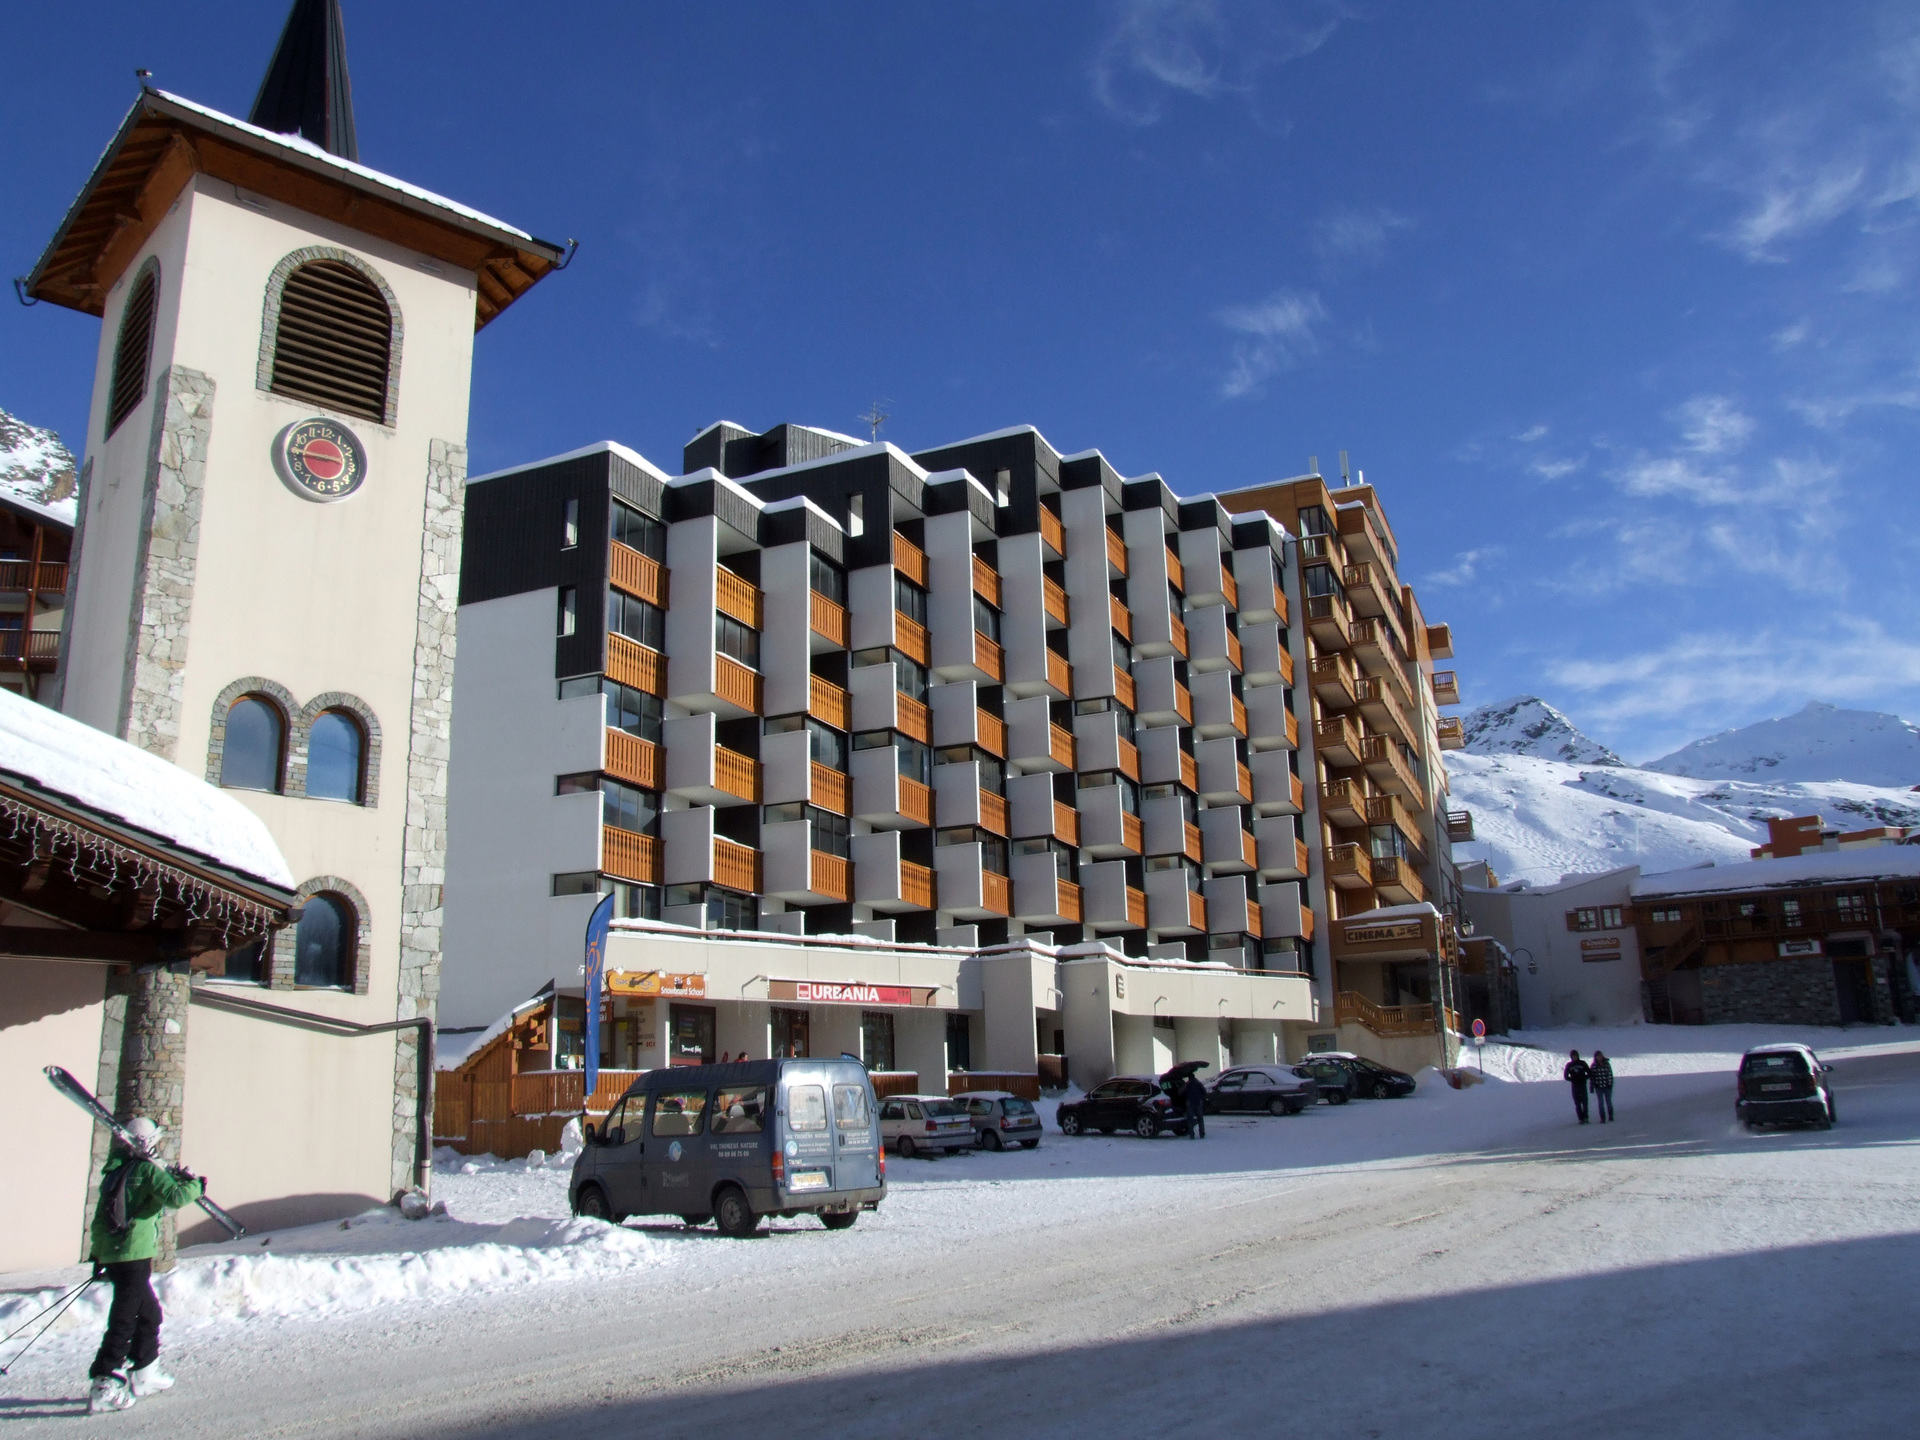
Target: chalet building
(35,539)
(262,590)
(1805,834)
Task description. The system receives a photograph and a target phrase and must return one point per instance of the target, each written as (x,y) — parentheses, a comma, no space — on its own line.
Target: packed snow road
(1455,1264)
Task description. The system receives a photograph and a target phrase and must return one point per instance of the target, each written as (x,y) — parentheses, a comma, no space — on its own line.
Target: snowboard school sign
(827,992)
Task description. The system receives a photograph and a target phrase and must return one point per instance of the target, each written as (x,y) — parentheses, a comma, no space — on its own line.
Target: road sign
(1479,1030)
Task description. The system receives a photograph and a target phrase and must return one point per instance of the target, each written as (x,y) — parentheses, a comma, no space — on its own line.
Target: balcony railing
(829,620)
(1059,674)
(827,702)
(1130,832)
(1381,706)
(1389,1022)
(29,649)
(1066,901)
(914,718)
(916,885)
(1189,772)
(1332,677)
(1229,587)
(1388,766)
(1446,688)
(736,684)
(738,597)
(636,665)
(829,789)
(988,658)
(1066,823)
(993,812)
(1123,689)
(1196,911)
(1053,599)
(1348,866)
(52,579)
(911,636)
(1391,810)
(1060,745)
(1116,552)
(1183,703)
(1376,645)
(633,760)
(1176,572)
(1459,826)
(830,875)
(1136,908)
(1440,641)
(1051,533)
(916,801)
(1342,802)
(1327,619)
(1177,630)
(996,893)
(1397,880)
(1129,759)
(737,774)
(736,866)
(1364,590)
(628,856)
(986,582)
(1337,741)
(910,560)
(1452,733)
(636,574)
(992,731)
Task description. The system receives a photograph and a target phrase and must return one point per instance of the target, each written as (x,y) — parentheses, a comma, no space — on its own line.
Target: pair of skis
(81,1096)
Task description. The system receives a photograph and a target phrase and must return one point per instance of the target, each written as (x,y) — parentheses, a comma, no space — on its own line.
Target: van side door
(620,1159)
(678,1169)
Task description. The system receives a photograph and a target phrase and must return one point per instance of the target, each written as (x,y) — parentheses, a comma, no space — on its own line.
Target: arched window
(333,341)
(323,943)
(134,349)
(256,745)
(335,749)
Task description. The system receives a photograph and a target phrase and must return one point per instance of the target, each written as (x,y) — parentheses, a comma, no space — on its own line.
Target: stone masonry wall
(1796,991)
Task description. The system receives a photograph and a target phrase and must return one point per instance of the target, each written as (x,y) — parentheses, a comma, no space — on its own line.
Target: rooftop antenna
(143,76)
(875,417)
(1346,475)
(1313,464)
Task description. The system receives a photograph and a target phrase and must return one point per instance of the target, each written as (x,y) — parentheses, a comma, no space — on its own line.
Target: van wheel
(842,1221)
(906,1147)
(591,1203)
(1069,1124)
(733,1214)
(694,1222)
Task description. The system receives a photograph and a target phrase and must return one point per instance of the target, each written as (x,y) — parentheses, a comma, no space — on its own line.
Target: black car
(1263,1090)
(1784,1084)
(1343,1077)
(1140,1103)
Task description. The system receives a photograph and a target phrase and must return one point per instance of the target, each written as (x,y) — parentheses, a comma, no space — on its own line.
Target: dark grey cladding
(737,452)
(1200,514)
(804,522)
(1252,534)
(306,90)
(1084,471)
(953,493)
(1031,466)
(646,493)
(1147,492)
(696,499)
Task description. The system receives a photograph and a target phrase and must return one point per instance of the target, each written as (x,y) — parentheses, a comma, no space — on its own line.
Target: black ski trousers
(133,1320)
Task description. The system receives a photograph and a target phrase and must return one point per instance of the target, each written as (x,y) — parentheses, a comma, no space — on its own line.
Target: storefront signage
(1378,934)
(657,982)
(830,992)
(1605,948)
(1800,947)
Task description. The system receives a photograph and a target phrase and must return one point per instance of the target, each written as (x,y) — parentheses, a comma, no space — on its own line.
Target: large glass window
(826,578)
(1320,580)
(334,757)
(909,599)
(324,943)
(256,745)
(876,1039)
(740,642)
(637,620)
(831,833)
(639,532)
(806,1108)
(986,619)
(628,709)
(914,760)
(827,745)
(626,807)
(1314,520)
(568,619)
(909,677)
(728,911)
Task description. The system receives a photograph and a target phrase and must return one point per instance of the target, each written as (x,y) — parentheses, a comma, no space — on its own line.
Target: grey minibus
(736,1142)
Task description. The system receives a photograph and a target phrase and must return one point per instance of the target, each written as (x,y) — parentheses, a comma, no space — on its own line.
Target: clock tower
(267,556)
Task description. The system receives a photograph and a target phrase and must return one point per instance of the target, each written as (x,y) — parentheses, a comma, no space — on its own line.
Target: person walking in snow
(135,1190)
(1600,1076)
(1576,1074)
(1195,1097)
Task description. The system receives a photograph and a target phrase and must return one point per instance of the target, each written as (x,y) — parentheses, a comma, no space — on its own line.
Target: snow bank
(1640,1051)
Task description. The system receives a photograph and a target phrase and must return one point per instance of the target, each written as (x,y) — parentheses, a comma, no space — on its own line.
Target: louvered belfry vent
(334,340)
(133,350)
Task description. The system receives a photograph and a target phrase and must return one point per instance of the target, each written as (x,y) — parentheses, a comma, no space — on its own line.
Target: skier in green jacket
(135,1190)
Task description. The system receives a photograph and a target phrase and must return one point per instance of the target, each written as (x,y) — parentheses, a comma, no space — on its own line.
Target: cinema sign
(833,992)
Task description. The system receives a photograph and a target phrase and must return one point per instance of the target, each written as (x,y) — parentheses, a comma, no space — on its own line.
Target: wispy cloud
(1201,49)
(1466,566)
(1349,237)
(1713,425)
(1276,334)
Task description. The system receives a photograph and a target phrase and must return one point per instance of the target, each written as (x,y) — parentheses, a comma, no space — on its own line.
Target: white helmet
(145,1134)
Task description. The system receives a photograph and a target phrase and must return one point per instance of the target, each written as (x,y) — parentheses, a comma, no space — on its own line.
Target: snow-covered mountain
(1821,742)
(1538,816)
(36,468)
(1528,725)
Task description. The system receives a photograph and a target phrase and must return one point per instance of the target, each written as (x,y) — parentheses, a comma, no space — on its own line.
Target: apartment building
(911,711)
(35,539)
(1377,813)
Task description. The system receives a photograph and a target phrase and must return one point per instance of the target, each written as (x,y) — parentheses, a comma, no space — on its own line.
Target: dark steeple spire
(307,90)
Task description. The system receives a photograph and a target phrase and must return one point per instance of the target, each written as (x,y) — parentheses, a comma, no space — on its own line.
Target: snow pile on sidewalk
(1639,1051)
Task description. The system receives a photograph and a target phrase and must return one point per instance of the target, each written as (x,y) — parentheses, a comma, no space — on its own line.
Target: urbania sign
(826,992)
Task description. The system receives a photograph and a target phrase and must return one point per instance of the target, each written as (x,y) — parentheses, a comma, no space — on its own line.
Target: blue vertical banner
(596,970)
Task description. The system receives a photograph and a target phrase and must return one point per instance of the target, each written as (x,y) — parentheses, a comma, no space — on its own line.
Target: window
(631,901)
(628,709)
(335,745)
(791,1032)
(256,745)
(876,1039)
(1319,580)
(910,677)
(986,619)
(634,618)
(913,760)
(577,882)
(626,807)
(827,746)
(1789,914)
(1314,520)
(959,1042)
(1122,652)
(133,351)
(569,620)
(1610,917)
(740,1111)
(1850,909)
(323,943)
(333,341)
(637,531)
(731,638)
(570,524)
(850,1107)
(247,965)
(806,1108)
(1672,917)
(909,599)
(826,578)
(728,911)
(830,832)
(679,1112)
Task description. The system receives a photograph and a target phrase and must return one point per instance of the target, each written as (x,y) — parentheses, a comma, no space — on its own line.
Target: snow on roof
(611,447)
(996,435)
(840,457)
(1827,866)
(308,149)
(63,513)
(112,778)
(801,502)
(730,424)
(451,1054)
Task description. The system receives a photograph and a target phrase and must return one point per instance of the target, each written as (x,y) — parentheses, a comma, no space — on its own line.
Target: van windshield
(807,1107)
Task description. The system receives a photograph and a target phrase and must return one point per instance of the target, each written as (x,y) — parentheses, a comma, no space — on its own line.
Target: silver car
(924,1124)
(1001,1118)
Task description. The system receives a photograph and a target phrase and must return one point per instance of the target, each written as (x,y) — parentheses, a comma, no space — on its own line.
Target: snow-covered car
(1001,1118)
(924,1124)
(1784,1084)
(1262,1089)
(1344,1076)
(1144,1104)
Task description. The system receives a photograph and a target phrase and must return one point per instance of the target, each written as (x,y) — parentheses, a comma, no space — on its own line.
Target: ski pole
(63,1302)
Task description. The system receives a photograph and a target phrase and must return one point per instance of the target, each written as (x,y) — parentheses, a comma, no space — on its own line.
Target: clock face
(320,459)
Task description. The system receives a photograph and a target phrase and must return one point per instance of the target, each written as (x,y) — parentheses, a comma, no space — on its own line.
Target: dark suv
(1780,1084)
(1343,1076)
(1139,1103)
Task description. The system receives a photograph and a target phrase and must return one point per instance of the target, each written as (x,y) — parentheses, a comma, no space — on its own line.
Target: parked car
(1001,1119)
(930,1124)
(1781,1084)
(1268,1089)
(1144,1104)
(1344,1076)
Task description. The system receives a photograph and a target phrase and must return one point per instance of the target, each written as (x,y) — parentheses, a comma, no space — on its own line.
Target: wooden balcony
(1342,802)
(910,560)
(633,760)
(1446,688)
(1061,746)
(1176,572)
(1130,832)
(830,875)
(1059,675)
(1234,853)
(736,866)
(996,893)
(829,789)
(910,636)
(1364,592)
(1301,855)
(1136,908)
(737,774)
(1123,689)
(1245,778)
(1119,617)
(1452,733)
(29,650)
(1234,655)
(49,579)
(1376,647)
(1328,622)
(1177,630)
(1389,767)
(914,719)
(1191,841)
(988,658)
(1337,741)
(916,801)
(828,703)
(1066,823)
(986,582)
(1239,718)
(916,885)
(829,621)
(1332,678)
(736,684)
(1229,587)
(1129,759)
(1053,599)
(1348,866)
(738,597)
(1459,826)
(1116,553)
(637,574)
(1323,550)
(1067,901)
(1392,810)
(1380,704)
(1389,1022)
(1196,911)
(1397,882)
(1183,703)
(636,665)
(628,856)
(1360,533)
(1052,535)
(993,812)
(1440,641)
(1189,773)
(992,731)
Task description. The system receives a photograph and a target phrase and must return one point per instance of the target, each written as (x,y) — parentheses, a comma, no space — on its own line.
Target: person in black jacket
(1600,1076)
(1195,1096)
(1575,1074)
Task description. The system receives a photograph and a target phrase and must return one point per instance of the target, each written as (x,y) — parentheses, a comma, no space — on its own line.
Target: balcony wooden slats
(1130,831)
(1234,655)
(988,658)
(830,875)
(736,684)
(637,574)
(1183,703)
(1390,810)
(737,774)
(993,812)
(1136,908)
(911,637)
(1194,842)
(51,579)
(1229,587)
(1297,792)
(1053,599)
(914,719)
(1189,773)
(1176,572)
(992,733)
(1446,688)
(633,760)
(829,789)
(1342,803)
(29,649)
(1256,922)
(1239,717)
(986,582)
(1119,618)
(916,885)
(1389,1022)
(628,856)
(916,801)
(1363,590)
(736,866)
(1348,866)
(910,560)
(1066,823)
(636,665)
(828,703)
(1123,688)
(1452,734)
(1177,630)
(1116,552)
(1440,641)
(1052,534)
(1196,911)
(738,597)
(996,893)
(1129,759)
(1387,765)
(1380,705)
(1332,678)
(1059,675)
(1290,727)
(1397,881)
(1067,901)
(1328,622)
(1245,778)
(1060,746)
(1301,854)
(1459,826)
(1337,741)
(828,620)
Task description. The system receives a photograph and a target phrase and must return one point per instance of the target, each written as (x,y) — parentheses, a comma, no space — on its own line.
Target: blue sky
(1615,304)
